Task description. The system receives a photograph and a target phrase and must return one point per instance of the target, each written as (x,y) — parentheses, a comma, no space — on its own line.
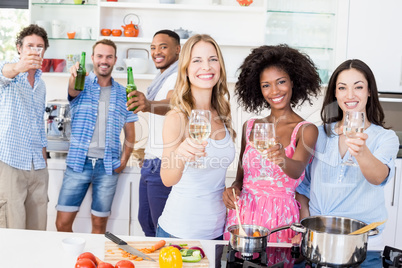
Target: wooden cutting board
(113,254)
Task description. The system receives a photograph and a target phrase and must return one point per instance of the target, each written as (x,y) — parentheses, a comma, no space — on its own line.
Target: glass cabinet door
(307,25)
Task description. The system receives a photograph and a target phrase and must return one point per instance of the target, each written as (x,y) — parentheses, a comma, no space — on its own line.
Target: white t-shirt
(154,146)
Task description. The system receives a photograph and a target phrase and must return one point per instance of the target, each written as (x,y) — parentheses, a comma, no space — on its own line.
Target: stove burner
(233,256)
(271,257)
(392,257)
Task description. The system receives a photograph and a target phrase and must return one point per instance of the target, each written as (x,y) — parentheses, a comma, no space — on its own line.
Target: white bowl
(74,246)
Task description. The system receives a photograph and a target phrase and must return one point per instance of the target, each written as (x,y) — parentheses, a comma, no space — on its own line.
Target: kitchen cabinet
(68,17)
(135,227)
(375,37)
(393,203)
(314,27)
(125,199)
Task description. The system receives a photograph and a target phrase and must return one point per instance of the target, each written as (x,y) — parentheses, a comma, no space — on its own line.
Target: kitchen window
(12,21)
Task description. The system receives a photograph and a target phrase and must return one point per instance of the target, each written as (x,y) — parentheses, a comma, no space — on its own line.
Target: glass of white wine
(200,130)
(353,123)
(264,138)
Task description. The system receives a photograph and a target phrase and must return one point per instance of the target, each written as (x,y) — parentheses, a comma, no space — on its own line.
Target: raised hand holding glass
(353,123)
(38,51)
(200,130)
(264,138)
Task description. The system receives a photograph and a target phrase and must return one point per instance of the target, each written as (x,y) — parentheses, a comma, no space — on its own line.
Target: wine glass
(353,123)
(264,138)
(200,130)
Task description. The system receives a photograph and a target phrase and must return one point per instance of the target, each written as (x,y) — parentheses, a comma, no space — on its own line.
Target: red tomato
(124,264)
(105,265)
(85,263)
(87,255)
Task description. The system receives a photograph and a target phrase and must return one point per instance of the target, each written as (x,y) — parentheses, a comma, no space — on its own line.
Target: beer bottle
(130,85)
(81,73)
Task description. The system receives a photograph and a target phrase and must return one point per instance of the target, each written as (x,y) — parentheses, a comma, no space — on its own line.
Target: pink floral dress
(268,203)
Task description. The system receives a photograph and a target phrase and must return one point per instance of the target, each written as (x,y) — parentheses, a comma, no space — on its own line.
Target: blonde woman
(195,209)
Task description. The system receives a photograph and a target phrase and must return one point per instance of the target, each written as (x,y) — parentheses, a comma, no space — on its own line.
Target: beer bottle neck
(82,61)
(130,78)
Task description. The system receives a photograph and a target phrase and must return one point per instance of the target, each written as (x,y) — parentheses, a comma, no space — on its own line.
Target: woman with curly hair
(276,78)
(194,208)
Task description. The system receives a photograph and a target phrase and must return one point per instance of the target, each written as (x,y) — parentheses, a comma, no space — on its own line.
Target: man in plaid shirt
(95,157)
(23,168)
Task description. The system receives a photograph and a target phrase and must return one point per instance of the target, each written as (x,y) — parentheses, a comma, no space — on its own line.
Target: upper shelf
(184,7)
(301,12)
(148,40)
(63,4)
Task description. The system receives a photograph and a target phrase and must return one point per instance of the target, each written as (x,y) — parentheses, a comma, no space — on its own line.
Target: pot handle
(298,227)
(373,232)
(280,228)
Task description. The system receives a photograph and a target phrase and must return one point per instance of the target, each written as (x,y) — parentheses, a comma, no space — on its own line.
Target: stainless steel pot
(326,240)
(247,245)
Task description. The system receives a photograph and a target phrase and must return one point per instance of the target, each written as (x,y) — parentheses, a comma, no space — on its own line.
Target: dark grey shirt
(98,141)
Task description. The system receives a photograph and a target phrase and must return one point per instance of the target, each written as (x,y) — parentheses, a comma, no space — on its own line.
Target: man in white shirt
(165,50)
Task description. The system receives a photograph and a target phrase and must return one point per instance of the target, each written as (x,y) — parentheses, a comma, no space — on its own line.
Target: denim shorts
(75,186)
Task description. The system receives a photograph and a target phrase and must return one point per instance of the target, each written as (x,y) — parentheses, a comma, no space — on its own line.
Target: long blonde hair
(182,98)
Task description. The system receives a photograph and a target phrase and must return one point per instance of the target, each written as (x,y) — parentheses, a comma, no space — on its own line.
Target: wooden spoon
(241,230)
(368,227)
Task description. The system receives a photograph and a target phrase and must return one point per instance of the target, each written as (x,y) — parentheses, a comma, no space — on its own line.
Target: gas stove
(286,257)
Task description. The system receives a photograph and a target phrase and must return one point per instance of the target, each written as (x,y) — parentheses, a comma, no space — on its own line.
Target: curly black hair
(30,30)
(300,68)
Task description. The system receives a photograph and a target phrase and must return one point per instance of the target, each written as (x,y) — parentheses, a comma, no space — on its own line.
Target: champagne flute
(353,123)
(200,130)
(264,138)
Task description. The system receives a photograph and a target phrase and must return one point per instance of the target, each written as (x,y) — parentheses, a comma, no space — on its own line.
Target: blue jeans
(162,233)
(152,196)
(75,186)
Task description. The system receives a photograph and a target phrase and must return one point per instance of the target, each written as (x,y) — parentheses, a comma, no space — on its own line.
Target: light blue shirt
(84,111)
(22,124)
(353,197)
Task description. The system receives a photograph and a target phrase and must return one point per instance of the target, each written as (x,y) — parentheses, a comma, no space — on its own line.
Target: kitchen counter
(43,249)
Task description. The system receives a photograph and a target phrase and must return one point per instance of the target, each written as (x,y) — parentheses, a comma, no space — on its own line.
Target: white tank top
(195,209)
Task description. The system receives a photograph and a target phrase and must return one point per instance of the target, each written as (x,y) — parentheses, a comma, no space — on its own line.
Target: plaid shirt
(22,124)
(84,111)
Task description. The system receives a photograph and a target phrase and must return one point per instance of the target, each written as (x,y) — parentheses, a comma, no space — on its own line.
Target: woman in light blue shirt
(356,192)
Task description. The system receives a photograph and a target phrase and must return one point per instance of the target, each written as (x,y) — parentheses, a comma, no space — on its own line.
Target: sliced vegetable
(200,249)
(256,234)
(190,255)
